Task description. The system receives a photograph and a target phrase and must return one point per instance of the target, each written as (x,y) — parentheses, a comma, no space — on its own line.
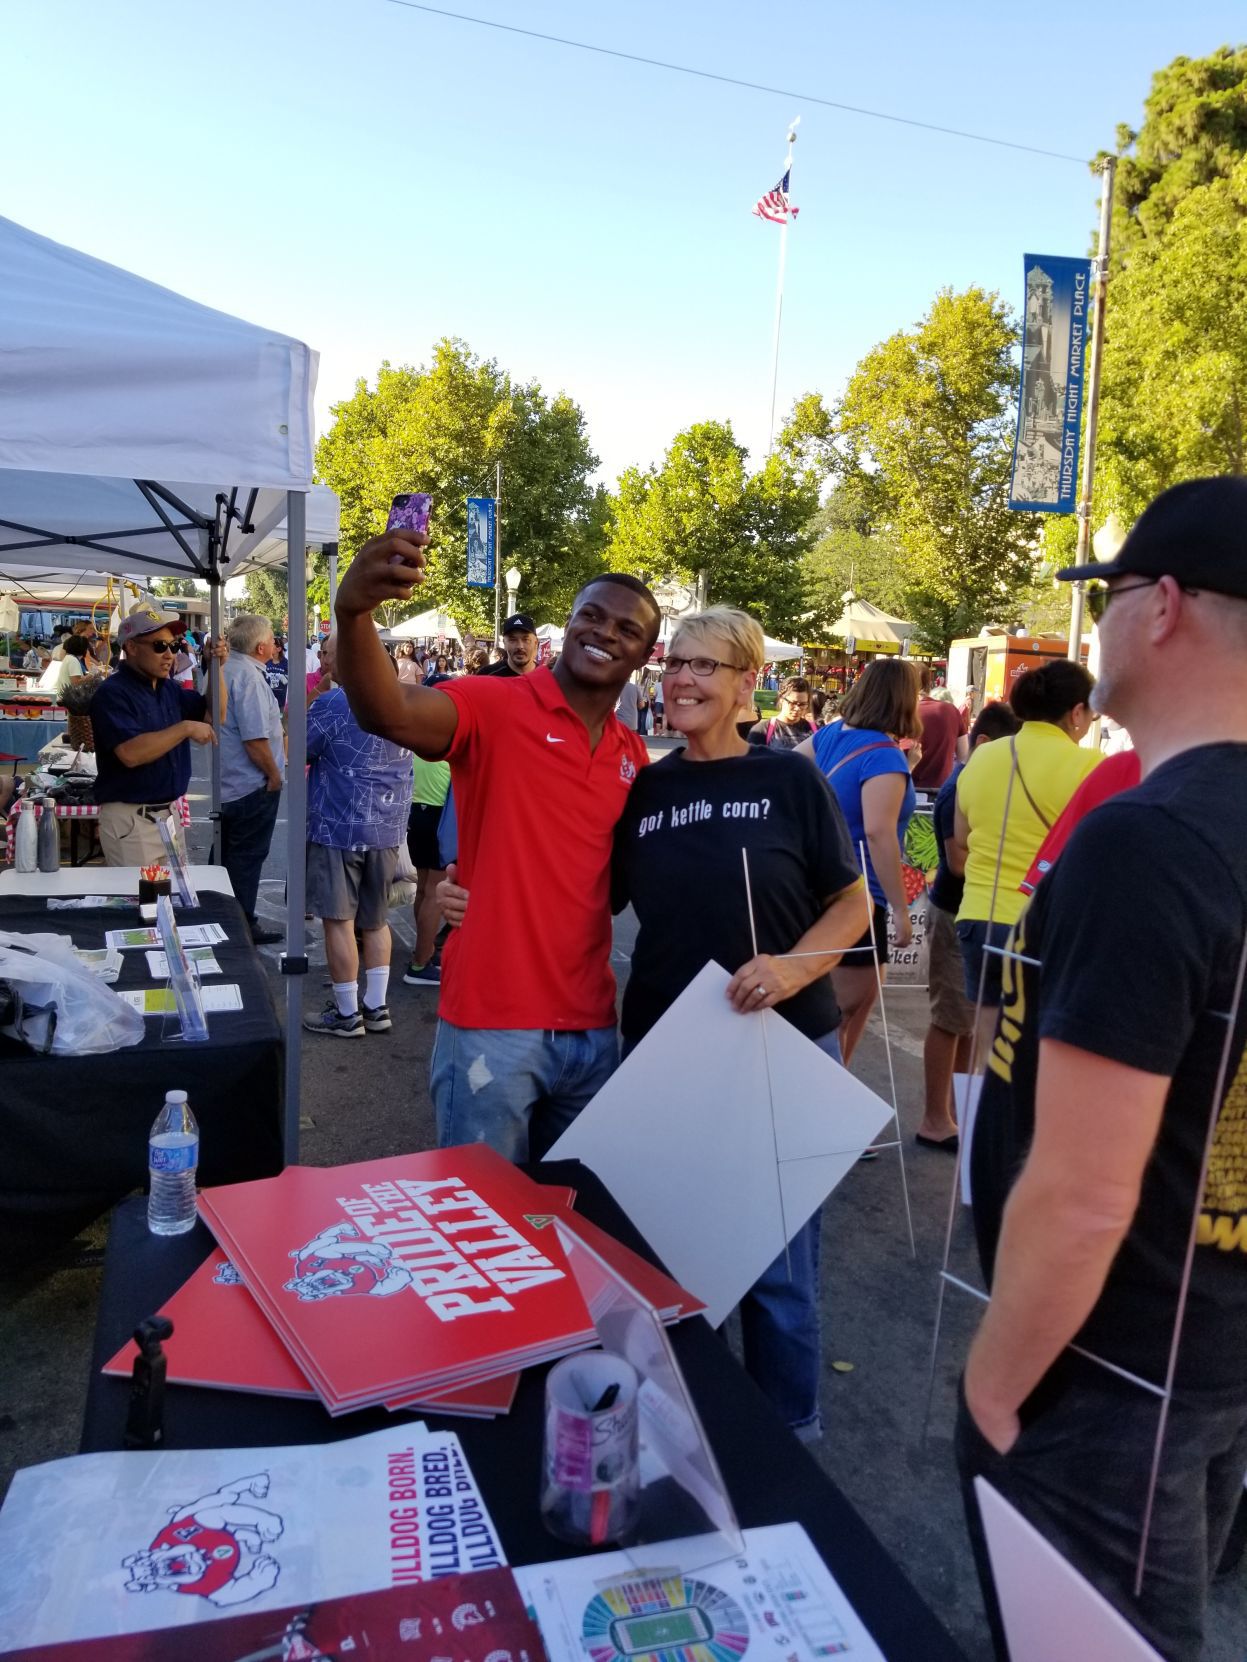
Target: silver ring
(759,989)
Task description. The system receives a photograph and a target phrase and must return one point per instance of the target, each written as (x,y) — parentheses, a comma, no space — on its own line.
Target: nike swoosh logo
(550,739)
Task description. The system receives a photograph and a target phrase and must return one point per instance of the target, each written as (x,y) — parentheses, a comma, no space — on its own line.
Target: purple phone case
(410,512)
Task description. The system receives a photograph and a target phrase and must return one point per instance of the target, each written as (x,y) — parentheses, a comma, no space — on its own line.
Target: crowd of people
(1086,923)
(1101,940)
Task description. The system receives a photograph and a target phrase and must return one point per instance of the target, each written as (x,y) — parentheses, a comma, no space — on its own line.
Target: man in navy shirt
(144,726)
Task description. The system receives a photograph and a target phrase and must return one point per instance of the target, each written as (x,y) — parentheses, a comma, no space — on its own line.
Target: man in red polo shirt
(541,770)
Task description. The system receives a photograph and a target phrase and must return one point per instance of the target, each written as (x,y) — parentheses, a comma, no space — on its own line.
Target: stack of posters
(223,1338)
(395,1280)
(105,1544)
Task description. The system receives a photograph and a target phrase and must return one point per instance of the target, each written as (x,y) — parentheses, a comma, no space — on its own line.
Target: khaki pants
(128,837)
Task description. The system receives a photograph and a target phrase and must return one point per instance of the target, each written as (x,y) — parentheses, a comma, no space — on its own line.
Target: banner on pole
(481,543)
(1054,339)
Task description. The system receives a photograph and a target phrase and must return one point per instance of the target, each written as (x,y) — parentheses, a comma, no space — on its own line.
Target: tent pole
(294,959)
(210,670)
(331,554)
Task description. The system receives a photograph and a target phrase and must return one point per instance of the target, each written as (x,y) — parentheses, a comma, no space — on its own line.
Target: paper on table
(202,957)
(98,1543)
(159,1001)
(1048,1608)
(193,934)
(777,1600)
(681,1135)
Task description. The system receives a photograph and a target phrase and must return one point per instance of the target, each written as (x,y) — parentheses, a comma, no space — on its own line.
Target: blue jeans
(517,1090)
(246,832)
(779,1318)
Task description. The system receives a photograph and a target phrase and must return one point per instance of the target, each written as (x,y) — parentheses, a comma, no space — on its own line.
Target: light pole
(513,588)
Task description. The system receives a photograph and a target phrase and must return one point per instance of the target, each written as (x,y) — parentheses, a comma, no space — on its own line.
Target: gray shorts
(350,884)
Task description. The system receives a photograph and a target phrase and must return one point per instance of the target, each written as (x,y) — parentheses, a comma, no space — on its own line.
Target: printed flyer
(105,1544)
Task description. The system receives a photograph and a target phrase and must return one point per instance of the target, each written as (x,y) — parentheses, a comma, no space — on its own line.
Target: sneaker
(429,975)
(332,1021)
(377,1020)
(266,937)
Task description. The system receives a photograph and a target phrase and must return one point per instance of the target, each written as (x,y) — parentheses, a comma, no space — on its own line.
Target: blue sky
(370,178)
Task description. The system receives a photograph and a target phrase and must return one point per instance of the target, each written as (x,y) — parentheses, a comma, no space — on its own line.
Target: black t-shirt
(947,888)
(502,667)
(1139,932)
(780,735)
(678,862)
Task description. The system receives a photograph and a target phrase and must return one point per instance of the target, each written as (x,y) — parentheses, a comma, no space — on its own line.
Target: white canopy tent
(426,626)
(860,621)
(141,432)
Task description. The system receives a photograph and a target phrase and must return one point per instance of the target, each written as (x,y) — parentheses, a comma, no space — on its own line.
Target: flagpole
(779,289)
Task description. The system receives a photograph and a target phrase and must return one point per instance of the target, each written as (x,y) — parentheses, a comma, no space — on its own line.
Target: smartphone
(410,512)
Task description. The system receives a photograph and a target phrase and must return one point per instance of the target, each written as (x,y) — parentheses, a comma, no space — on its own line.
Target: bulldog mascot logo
(339,1264)
(212,1548)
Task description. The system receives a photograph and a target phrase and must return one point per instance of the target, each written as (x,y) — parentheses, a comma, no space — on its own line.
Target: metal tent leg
(294,960)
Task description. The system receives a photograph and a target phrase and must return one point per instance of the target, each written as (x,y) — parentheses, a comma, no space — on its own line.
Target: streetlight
(513,587)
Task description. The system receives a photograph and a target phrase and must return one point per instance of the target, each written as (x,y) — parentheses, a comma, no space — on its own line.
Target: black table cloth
(73,1130)
(769,1475)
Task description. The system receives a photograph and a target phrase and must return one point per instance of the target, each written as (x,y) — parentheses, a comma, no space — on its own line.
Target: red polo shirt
(537,812)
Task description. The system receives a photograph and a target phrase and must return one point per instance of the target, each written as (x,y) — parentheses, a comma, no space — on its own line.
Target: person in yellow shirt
(1009,795)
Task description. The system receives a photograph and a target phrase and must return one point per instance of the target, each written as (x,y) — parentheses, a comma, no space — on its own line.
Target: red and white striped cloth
(78,810)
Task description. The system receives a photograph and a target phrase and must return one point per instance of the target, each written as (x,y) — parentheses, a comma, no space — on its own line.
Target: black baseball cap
(1195,532)
(519,621)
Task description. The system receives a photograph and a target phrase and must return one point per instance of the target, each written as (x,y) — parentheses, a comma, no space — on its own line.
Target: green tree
(444,429)
(178,586)
(1194,133)
(702,511)
(850,554)
(926,430)
(1174,382)
(265,593)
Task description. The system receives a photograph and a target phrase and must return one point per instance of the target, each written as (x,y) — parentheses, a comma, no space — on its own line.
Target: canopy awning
(426,626)
(862,621)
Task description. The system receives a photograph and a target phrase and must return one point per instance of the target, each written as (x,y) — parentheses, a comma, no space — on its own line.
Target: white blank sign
(1048,1609)
(682,1136)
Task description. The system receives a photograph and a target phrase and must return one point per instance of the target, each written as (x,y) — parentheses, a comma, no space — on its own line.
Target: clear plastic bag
(58,1007)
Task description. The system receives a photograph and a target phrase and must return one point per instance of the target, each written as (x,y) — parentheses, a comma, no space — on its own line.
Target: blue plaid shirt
(359,788)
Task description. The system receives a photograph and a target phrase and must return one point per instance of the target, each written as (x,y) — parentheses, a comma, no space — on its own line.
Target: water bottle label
(173,1159)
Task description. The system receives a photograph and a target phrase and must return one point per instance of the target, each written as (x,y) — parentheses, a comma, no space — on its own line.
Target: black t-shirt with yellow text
(1138,940)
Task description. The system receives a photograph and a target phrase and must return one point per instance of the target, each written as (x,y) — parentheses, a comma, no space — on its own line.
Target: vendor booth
(144,433)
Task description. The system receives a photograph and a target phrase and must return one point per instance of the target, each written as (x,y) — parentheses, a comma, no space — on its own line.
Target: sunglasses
(161,646)
(1099,597)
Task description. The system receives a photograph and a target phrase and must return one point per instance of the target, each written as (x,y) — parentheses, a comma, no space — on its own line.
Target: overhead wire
(736,81)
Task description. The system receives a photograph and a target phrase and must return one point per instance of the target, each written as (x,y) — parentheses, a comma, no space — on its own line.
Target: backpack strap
(1017,768)
(877,744)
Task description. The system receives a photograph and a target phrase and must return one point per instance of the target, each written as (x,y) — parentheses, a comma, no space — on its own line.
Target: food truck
(984,668)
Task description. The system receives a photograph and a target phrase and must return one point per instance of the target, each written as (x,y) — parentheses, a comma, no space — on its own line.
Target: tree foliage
(1194,133)
(703,511)
(444,429)
(850,555)
(925,433)
(178,586)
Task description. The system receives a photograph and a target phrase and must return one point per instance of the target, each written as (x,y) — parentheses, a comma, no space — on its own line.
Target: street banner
(1054,339)
(481,543)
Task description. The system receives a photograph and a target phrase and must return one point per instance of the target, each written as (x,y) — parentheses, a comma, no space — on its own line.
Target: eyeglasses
(161,646)
(796,703)
(702,668)
(1098,598)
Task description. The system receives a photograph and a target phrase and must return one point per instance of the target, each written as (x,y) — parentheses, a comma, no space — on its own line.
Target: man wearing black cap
(1110,1150)
(144,726)
(519,646)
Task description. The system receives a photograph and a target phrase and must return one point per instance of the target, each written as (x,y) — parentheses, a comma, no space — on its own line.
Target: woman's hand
(764,982)
(902,928)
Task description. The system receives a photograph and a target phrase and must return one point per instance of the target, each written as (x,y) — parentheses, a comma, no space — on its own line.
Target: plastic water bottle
(49,836)
(172,1156)
(26,839)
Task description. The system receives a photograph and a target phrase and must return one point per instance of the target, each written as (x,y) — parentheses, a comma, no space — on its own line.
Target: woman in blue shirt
(869,773)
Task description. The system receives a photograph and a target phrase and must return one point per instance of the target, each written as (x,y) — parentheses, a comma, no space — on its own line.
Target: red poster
(403,1276)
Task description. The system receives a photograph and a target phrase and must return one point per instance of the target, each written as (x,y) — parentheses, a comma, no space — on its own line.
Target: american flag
(775,204)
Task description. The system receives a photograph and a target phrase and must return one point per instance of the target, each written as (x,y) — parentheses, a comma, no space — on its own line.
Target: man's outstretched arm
(421,718)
